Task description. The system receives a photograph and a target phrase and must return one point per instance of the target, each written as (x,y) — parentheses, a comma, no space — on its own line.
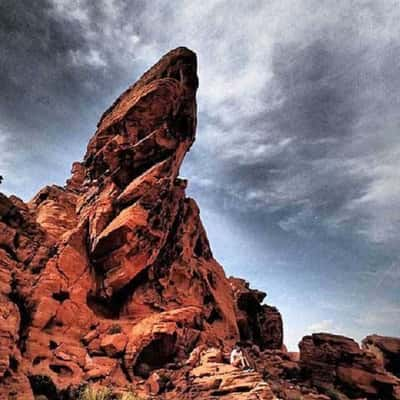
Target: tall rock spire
(112,275)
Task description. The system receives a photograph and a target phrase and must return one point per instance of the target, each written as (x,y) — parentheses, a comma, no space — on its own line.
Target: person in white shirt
(238,360)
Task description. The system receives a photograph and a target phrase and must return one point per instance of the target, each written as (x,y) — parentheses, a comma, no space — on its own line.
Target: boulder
(114,344)
(387,351)
(258,323)
(333,361)
(213,378)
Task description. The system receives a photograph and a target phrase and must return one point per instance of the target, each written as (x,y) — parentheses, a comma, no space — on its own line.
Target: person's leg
(243,362)
(236,363)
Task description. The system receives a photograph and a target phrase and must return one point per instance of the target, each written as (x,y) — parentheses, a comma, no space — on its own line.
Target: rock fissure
(25,312)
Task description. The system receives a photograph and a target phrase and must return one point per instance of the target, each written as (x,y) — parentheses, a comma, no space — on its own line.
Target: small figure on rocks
(238,360)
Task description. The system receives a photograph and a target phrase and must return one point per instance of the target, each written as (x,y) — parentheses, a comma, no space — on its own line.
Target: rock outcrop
(337,362)
(212,378)
(111,277)
(258,323)
(387,351)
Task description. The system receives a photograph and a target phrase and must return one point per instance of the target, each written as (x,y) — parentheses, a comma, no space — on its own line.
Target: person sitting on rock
(238,360)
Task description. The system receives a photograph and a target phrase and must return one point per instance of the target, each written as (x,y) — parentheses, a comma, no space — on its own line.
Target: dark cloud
(316,115)
(318,97)
(311,148)
(35,55)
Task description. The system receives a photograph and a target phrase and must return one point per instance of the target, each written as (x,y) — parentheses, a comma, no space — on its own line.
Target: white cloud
(297,223)
(251,152)
(6,155)
(322,326)
(91,58)
(110,38)
(326,325)
(7,162)
(375,212)
(74,10)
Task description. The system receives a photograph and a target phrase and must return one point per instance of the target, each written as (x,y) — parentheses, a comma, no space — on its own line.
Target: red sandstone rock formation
(387,351)
(258,323)
(112,276)
(334,361)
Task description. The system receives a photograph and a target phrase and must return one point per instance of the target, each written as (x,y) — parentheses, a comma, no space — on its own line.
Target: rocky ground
(110,280)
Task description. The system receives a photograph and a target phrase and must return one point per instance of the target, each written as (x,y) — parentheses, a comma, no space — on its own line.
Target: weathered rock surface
(212,379)
(111,277)
(387,351)
(333,361)
(258,323)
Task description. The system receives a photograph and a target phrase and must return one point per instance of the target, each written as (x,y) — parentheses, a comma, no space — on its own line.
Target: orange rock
(155,384)
(213,378)
(332,359)
(113,345)
(386,350)
(55,210)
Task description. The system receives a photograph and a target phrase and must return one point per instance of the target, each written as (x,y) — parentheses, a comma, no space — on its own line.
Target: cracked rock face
(112,276)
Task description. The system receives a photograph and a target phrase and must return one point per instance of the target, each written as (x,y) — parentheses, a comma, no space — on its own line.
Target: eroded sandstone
(112,277)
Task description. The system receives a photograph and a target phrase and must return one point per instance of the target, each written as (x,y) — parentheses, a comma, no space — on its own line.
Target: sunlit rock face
(112,277)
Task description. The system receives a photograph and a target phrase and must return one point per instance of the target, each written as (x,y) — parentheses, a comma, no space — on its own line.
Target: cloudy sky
(296,164)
